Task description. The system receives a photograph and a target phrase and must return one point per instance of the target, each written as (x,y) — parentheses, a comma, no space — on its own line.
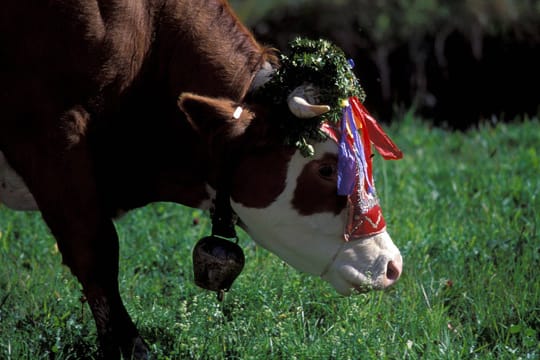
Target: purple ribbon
(351,156)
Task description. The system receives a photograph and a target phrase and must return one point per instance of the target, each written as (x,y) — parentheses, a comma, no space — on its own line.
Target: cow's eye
(327,171)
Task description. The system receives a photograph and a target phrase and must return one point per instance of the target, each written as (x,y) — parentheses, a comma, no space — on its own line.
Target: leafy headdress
(321,71)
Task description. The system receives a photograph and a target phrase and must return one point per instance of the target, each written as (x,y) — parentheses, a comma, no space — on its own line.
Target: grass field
(464,208)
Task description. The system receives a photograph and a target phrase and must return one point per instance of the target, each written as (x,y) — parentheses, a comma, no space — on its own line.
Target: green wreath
(319,63)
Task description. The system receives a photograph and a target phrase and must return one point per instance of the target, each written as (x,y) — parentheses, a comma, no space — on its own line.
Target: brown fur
(90,120)
(310,182)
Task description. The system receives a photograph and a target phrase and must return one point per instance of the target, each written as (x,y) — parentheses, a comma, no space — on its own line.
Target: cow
(109,105)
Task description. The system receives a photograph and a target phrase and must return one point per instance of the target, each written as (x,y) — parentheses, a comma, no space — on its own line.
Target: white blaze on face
(314,243)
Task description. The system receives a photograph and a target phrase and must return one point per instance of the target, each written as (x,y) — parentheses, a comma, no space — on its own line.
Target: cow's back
(57,54)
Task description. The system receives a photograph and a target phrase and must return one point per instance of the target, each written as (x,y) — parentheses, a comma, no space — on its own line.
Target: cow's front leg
(93,258)
(99,276)
(115,328)
(59,173)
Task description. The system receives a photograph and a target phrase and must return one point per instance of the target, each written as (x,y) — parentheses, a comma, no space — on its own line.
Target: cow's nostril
(393,270)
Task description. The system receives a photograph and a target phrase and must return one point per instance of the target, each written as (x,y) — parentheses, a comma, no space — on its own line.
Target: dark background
(456,63)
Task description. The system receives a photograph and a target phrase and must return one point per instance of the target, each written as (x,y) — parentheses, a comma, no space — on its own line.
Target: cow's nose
(393,270)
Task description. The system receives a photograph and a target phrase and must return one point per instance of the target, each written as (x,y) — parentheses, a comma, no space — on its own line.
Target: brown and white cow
(92,125)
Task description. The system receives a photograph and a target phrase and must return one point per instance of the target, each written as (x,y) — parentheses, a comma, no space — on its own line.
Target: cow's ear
(215,117)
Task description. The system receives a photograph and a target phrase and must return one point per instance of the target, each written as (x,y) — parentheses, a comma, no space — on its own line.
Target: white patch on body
(13,191)
(315,244)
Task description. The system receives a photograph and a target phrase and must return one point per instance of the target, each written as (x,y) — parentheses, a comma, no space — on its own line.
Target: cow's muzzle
(363,265)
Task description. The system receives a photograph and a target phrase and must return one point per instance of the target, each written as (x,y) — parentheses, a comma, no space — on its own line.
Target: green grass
(462,207)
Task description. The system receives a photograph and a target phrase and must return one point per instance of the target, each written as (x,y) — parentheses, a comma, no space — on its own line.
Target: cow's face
(288,203)
(291,208)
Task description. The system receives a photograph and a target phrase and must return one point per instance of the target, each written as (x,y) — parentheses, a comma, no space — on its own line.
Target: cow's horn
(300,106)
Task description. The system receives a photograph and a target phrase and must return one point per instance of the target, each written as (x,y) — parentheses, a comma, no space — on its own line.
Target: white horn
(300,107)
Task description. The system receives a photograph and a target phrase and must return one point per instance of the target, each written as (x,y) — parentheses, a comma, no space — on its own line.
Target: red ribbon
(382,142)
(364,213)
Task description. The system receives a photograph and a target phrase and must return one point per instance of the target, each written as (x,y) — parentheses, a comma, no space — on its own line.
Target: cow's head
(286,195)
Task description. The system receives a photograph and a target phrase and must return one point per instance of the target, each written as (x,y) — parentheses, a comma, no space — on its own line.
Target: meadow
(463,207)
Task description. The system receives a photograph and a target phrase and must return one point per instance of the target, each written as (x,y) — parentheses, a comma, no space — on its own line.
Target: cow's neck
(199,47)
(212,52)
